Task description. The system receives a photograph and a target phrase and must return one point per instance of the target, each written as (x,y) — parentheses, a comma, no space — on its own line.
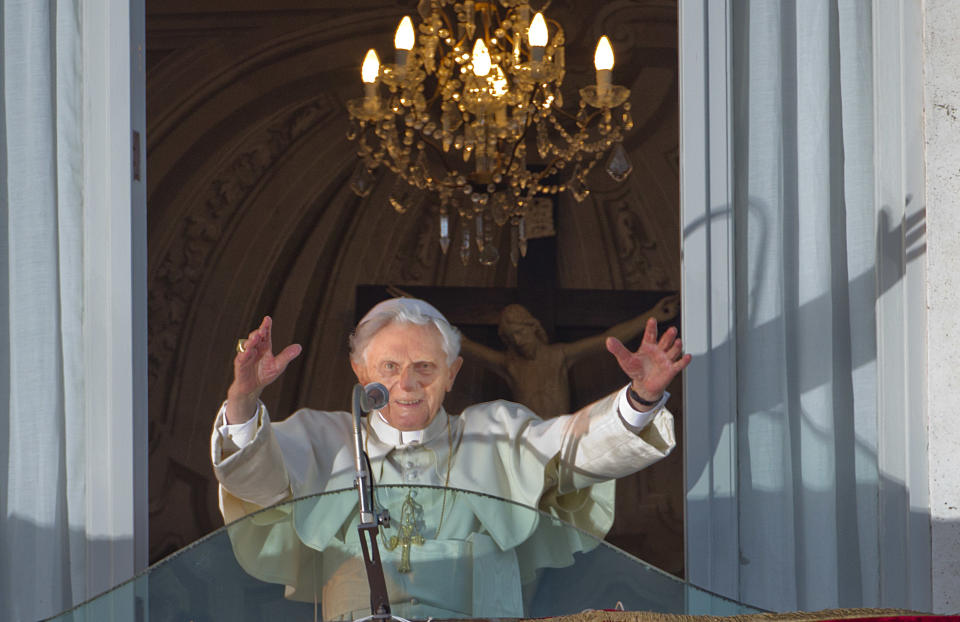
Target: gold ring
(241,345)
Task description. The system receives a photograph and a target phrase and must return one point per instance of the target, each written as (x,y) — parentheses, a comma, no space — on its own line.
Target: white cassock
(475,551)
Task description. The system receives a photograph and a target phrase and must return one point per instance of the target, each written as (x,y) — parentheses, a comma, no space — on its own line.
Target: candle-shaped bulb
(369,72)
(537,35)
(403,42)
(481,59)
(371,67)
(603,58)
(603,61)
(404,38)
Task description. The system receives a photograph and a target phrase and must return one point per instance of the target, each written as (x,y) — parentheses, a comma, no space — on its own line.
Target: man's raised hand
(655,363)
(253,369)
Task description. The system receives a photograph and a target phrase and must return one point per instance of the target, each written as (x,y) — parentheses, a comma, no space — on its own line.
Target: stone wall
(942,160)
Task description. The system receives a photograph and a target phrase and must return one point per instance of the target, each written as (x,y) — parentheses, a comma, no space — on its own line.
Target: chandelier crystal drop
(472,119)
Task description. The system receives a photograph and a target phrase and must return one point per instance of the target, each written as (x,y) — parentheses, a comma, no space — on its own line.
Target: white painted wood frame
(115,301)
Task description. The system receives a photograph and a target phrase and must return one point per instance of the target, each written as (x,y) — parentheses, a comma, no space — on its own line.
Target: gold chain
(446,483)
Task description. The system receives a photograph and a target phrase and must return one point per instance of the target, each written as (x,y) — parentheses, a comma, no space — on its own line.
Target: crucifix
(408,533)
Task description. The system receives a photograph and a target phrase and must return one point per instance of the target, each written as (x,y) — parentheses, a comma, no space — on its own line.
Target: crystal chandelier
(473,121)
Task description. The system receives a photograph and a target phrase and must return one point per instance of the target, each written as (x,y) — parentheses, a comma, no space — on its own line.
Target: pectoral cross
(411,519)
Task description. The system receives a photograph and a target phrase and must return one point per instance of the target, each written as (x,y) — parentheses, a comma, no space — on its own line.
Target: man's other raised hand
(654,365)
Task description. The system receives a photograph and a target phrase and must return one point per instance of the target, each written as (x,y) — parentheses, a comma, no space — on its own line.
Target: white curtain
(42,541)
(803,184)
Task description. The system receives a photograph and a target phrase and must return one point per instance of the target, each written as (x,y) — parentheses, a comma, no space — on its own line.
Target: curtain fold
(42,538)
(806,349)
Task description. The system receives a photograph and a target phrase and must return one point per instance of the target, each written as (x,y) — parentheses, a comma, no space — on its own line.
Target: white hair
(405,310)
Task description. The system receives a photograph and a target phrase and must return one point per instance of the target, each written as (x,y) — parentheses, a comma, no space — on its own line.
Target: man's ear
(359,371)
(454,370)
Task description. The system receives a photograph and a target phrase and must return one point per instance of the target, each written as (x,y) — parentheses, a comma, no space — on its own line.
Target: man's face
(409,360)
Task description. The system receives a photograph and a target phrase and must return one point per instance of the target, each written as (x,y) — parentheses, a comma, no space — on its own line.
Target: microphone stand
(370,518)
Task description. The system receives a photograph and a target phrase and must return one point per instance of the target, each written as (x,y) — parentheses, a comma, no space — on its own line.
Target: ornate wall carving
(249,213)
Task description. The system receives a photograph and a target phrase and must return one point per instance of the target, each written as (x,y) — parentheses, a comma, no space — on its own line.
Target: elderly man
(564,465)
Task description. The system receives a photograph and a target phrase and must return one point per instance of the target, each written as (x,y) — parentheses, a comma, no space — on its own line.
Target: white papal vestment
(474,565)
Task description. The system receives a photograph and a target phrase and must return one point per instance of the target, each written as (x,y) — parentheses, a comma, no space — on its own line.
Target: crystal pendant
(543,143)
(402,196)
(489,256)
(465,245)
(444,233)
(522,237)
(362,180)
(470,18)
(522,20)
(398,205)
(482,162)
(618,164)
(424,8)
(500,209)
(583,115)
(478,219)
(429,53)
(577,187)
(420,173)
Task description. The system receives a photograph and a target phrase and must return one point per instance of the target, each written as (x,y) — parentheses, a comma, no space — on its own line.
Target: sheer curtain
(72,305)
(42,546)
(803,181)
(802,197)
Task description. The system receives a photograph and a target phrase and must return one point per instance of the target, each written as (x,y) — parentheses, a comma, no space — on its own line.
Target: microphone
(375,396)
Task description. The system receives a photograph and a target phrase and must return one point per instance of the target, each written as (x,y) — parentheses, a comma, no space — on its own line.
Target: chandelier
(471,119)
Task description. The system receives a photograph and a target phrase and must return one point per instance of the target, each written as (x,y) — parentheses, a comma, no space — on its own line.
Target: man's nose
(408,378)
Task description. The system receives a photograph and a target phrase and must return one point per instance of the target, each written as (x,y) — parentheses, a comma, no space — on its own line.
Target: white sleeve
(235,437)
(252,474)
(636,419)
